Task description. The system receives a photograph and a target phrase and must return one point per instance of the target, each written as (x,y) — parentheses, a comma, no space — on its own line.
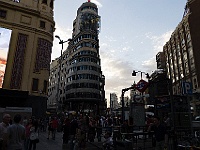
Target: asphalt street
(50,144)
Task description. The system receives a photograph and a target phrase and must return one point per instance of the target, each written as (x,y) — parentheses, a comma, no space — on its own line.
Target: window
(51,29)
(51,4)
(195,83)
(42,24)
(190,51)
(188,37)
(44,1)
(45,86)
(184,56)
(3,14)
(35,84)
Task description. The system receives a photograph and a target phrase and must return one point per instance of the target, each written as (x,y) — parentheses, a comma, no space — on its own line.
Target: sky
(132,33)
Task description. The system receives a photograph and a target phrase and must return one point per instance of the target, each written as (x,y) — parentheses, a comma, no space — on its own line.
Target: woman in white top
(33,135)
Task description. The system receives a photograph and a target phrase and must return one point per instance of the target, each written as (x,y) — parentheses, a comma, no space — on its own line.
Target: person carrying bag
(33,136)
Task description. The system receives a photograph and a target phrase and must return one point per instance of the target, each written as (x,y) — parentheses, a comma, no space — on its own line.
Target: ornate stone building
(29,55)
(181,55)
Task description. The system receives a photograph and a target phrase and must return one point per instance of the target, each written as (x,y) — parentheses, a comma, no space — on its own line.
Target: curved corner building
(84,85)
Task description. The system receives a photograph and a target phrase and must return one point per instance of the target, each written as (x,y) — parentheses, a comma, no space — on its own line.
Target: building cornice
(27,10)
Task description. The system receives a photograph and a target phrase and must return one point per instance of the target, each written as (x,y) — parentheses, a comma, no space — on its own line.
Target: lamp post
(60,64)
(122,97)
(135,72)
(141,86)
(147,76)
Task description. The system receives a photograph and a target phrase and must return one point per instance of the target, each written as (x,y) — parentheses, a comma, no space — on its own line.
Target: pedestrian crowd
(19,133)
(82,128)
(23,133)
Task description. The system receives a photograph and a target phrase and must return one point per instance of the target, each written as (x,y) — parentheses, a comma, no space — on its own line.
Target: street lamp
(141,86)
(135,72)
(60,64)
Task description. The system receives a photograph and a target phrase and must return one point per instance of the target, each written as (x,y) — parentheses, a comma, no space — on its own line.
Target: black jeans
(32,143)
(1,144)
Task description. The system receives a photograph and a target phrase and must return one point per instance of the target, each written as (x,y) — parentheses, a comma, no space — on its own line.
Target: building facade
(81,84)
(114,104)
(29,55)
(182,51)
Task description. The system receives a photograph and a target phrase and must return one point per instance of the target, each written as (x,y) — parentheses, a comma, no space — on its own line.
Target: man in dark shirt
(160,133)
(72,132)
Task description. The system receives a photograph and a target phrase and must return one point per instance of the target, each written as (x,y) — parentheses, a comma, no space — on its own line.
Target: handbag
(33,136)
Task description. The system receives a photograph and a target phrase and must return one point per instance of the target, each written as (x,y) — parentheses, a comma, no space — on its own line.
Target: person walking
(27,129)
(3,131)
(50,129)
(99,128)
(73,131)
(54,127)
(92,130)
(108,143)
(33,135)
(81,133)
(160,133)
(16,134)
(66,131)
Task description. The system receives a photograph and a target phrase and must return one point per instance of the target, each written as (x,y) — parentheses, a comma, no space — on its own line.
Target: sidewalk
(50,144)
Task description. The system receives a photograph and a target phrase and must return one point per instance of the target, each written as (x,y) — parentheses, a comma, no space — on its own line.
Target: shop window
(35,84)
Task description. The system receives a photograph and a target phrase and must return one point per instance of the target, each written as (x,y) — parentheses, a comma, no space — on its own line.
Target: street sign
(138,114)
(187,88)
(141,86)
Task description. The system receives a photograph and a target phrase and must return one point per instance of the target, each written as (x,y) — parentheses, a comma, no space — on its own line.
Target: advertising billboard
(5,35)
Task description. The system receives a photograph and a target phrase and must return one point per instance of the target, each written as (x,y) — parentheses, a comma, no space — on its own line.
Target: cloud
(118,73)
(128,48)
(64,33)
(158,42)
(4,45)
(110,39)
(149,65)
